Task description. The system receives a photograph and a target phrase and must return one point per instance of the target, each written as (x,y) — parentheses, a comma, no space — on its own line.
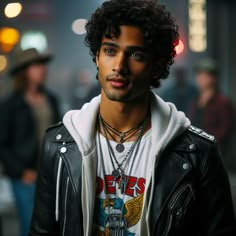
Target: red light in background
(179,47)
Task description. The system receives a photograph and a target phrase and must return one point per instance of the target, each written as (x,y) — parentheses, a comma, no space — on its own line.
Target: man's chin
(117,97)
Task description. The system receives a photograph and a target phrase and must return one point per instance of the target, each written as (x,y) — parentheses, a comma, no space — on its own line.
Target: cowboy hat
(24,58)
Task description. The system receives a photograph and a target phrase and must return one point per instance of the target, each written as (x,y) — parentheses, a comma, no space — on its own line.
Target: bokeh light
(9,37)
(197,28)
(13,10)
(34,39)
(78,26)
(3,63)
(180,47)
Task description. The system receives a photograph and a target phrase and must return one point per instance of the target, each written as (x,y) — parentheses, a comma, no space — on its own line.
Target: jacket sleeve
(43,219)
(215,199)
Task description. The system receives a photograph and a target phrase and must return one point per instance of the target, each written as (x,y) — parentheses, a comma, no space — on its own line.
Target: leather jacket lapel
(170,171)
(72,158)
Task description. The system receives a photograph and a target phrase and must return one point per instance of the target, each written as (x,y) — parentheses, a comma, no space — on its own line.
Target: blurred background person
(25,114)
(181,92)
(211,110)
(80,87)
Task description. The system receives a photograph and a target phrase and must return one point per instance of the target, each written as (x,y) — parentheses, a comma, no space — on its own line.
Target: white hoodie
(166,122)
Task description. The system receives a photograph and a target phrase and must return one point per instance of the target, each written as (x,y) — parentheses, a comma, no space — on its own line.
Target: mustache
(116,76)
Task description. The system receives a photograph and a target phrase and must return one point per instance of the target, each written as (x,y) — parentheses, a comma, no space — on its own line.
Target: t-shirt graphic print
(116,212)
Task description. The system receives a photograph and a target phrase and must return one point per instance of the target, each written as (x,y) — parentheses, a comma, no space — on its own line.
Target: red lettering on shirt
(100,185)
(110,184)
(130,187)
(141,186)
(135,186)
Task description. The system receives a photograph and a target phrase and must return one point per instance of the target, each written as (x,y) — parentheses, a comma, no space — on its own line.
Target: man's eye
(109,51)
(137,56)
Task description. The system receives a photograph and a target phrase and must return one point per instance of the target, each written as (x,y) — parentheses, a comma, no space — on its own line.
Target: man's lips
(118,82)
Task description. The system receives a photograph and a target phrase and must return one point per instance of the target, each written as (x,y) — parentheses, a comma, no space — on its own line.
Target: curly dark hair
(159,29)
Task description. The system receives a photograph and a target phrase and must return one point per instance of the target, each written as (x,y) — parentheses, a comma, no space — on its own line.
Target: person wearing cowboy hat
(25,115)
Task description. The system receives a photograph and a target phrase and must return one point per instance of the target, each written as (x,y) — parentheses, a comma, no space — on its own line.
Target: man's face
(124,67)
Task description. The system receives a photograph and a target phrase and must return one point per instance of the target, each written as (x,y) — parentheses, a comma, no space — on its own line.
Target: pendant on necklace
(120,147)
(123,184)
(115,173)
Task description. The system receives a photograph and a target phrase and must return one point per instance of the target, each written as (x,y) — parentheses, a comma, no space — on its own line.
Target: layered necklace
(122,136)
(115,220)
(118,168)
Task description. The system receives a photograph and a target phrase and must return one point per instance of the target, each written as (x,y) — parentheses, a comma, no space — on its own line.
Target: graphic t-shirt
(118,213)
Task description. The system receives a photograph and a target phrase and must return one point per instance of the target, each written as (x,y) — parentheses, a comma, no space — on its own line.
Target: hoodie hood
(166,124)
(81,124)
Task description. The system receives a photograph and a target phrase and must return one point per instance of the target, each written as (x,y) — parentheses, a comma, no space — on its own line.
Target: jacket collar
(184,143)
(62,135)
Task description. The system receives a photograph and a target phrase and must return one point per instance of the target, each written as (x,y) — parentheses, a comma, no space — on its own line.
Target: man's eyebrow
(129,48)
(110,44)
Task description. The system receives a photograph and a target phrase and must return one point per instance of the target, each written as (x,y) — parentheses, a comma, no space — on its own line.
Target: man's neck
(124,116)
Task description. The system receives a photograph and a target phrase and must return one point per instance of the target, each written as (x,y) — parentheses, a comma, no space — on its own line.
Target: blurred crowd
(31,108)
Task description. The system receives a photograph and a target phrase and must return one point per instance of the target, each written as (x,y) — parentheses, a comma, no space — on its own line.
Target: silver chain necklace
(122,136)
(119,171)
(116,222)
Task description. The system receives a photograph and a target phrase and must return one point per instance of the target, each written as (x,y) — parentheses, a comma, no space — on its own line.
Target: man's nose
(120,64)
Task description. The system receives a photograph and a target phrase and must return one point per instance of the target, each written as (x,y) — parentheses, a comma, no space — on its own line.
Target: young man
(128,163)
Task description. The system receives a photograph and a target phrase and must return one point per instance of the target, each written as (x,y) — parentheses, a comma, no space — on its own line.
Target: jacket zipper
(169,225)
(65,205)
(58,189)
(172,204)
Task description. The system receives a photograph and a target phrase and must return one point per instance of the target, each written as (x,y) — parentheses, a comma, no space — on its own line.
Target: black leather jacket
(191,195)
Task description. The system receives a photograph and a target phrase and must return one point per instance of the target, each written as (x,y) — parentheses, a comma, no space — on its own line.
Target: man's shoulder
(201,134)
(193,139)
(58,133)
(55,127)
(53,130)
(196,141)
